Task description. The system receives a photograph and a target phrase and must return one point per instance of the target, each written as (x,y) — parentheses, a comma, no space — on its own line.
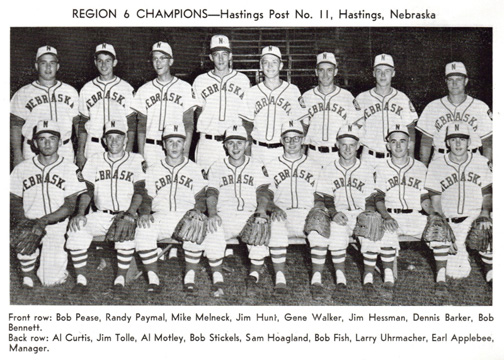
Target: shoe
(252,286)
(190,289)
(317,291)
(28,283)
(217,290)
(341,287)
(80,289)
(154,288)
(280,289)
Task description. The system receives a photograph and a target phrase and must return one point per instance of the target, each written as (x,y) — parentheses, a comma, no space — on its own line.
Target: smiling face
(115,142)
(398,144)
(48,143)
(236,148)
(271,66)
(47,66)
(221,59)
(292,142)
(325,73)
(456,84)
(348,148)
(105,64)
(383,75)
(161,63)
(458,145)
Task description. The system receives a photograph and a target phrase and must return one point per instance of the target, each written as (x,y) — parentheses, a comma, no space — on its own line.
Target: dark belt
(152,141)
(64,142)
(443,151)
(95,139)
(214,137)
(269,146)
(323,149)
(110,212)
(400,211)
(378,155)
(457,220)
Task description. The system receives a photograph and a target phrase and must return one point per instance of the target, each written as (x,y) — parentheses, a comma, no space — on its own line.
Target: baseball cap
(397,128)
(174,130)
(292,125)
(163,47)
(351,131)
(326,57)
(49,126)
(105,48)
(455,68)
(46,50)
(220,42)
(117,126)
(271,50)
(457,129)
(236,132)
(383,59)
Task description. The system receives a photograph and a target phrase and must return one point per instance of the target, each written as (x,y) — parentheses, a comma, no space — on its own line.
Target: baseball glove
(480,235)
(369,224)
(437,229)
(27,235)
(257,230)
(318,220)
(192,227)
(123,228)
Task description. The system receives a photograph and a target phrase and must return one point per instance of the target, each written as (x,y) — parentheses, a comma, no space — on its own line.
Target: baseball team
(265,151)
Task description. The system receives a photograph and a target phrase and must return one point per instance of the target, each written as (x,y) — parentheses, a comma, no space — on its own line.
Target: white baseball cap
(163,47)
(117,126)
(174,130)
(457,129)
(220,42)
(351,131)
(105,48)
(49,126)
(383,59)
(397,128)
(327,57)
(271,50)
(455,68)
(46,50)
(235,132)
(292,125)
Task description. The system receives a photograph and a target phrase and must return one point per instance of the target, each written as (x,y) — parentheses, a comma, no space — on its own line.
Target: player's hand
(145,220)
(340,218)
(214,222)
(390,224)
(278,214)
(453,249)
(80,161)
(77,223)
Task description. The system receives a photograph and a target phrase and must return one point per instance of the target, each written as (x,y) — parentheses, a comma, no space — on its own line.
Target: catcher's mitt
(257,230)
(27,235)
(192,227)
(437,229)
(318,220)
(480,235)
(123,228)
(369,224)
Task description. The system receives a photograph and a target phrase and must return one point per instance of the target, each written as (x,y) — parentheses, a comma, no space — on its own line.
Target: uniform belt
(443,151)
(378,155)
(111,212)
(323,149)
(64,142)
(95,139)
(214,137)
(456,220)
(152,141)
(400,211)
(269,146)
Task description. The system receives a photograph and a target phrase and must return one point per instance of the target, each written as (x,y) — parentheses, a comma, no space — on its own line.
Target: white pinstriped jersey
(381,113)
(293,182)
(402,186)
(269,109)
(221,100)
(44,188)
(100,102)
(34,102)
(113,180)
(350,187)
(173,188)
(327,113)
(460,185)
(438,113)
(237,185)
(163,104)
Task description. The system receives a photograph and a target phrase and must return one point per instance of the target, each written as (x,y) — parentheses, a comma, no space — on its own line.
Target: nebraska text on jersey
(49,98)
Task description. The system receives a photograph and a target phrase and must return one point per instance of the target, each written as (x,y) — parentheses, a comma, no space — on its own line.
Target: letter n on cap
(457,127)
(112,123)
(291,123)
(45,124)
(383,57)
(235,127)
(175,127)
(221,40)
(159,44)
(324,55)
(454,66)
(398,127)
(270,48)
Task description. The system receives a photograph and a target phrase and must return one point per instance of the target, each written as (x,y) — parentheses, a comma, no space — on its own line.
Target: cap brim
(115,131)
(326,62)
(347,136)
(235,137)
(392,66)
(54,132)
(263,55)
(173,135)
(451,136)
(455,74)
(220,48)
(404,132)
(161,51)
(49,52)
(292,130)
(105,52)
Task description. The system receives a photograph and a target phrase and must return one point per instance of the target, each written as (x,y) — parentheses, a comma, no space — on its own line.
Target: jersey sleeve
(381,184)
(189,97)
(409,114)
(485,123)
(425,123)
(299,111)
(18,106)
(16,181)
(150,181)
(486,174)
(200,182)
(304,99)
(197,92)
(138,105)
(130,96)
(262,177)
(139,168)
(355,112)
(89,170)
(213,176)
(432,182)
(247,111)
(83,109)
(73,186)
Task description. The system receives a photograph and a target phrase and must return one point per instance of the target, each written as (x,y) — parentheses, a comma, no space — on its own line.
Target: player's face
(271,66)
(115,142)
(292,142)
(398,144)
(458,146)
(48,144)
(221,59)
(47,66)
(456,85)
(348,148)
(326,73)
(175,147)
(105,64)
(161,63)
(383,75)
(236,148)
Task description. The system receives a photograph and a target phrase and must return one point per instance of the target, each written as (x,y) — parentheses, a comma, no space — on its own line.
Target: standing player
(105,98)
(384,107)
(45,187)
(268,105)
(116,183)
(293,178)
(45,98)
(220,95)
(460,187)
(400,182)
(174,185)
(345,188)
(166,99)
(329,108)
(237,187)
(456,106)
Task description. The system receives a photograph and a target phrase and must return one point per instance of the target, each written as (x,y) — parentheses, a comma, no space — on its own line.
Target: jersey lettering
(446,118)
(301,174)
(167,180)
(106,175)
(334,108)
(168,97)
(230,180)
(282,103)
(37,179)
(376,108)
(44,99)
(455,179)
(114,96)
(410,182)
(353,183)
